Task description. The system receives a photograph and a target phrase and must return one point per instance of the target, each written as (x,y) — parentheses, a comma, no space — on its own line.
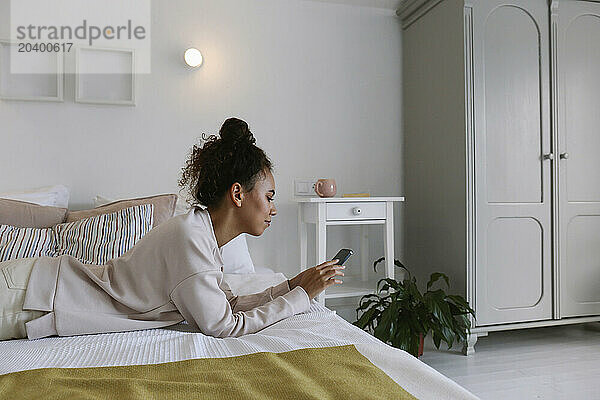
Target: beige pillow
(28,215)
(164,207)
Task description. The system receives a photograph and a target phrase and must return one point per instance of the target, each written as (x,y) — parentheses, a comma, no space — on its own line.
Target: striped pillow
(101,238)
(25,242)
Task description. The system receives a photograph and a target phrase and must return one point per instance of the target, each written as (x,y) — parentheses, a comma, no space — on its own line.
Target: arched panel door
(513,281)
(578,50)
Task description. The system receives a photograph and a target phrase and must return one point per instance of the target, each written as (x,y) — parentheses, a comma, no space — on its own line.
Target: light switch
(304,187)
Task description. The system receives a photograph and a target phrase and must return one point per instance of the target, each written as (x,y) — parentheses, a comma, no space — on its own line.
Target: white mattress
(319,327)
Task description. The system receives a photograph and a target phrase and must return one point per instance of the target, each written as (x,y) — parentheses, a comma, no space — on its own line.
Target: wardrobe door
(512,177)
(578,106)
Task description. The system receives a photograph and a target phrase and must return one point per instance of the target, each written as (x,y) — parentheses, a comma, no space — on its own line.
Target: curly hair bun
(235,130)
(218,163)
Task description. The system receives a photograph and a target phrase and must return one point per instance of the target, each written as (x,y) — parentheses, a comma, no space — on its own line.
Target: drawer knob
(356,211)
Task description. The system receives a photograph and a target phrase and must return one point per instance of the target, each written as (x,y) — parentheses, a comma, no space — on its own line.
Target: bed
(313,355)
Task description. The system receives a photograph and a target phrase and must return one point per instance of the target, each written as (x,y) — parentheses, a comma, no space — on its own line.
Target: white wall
(318,83)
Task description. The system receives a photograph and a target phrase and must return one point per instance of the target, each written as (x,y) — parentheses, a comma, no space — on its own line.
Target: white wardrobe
(502,156)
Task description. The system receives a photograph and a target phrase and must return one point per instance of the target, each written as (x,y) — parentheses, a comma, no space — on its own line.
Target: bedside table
(323,212)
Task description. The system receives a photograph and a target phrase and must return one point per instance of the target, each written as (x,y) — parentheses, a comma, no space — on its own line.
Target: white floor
(542,363)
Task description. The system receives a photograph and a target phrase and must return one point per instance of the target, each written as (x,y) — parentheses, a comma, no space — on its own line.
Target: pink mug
(325,188)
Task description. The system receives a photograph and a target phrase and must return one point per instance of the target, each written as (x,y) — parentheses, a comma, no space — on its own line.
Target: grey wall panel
(434,145)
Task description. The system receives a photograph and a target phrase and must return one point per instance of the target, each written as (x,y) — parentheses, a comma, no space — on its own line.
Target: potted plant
(400,315)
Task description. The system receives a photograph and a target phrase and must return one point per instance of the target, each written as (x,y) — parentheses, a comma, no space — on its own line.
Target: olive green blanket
(339,372)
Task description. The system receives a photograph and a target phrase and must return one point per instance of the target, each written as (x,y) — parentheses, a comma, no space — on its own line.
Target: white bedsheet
(319,327)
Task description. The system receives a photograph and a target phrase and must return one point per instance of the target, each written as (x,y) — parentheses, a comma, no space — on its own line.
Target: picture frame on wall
(42,78)
(105,76)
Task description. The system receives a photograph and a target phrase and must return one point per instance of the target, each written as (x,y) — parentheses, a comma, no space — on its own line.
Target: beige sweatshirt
(173,273)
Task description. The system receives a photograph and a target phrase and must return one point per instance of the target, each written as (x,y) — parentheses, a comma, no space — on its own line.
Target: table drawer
(350,211)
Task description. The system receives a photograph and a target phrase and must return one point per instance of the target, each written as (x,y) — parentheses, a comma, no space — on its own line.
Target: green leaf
(389,282)
(413,345)
(462,304)
(382,328)
(435,276)
(369,297)
(382,280)
(377,262)
(363,305)
(366,318)
(411,287)
(398,264)
(448,336)
(406,340)
(439,308)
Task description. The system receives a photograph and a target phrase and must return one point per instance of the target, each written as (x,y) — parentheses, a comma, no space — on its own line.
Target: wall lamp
(193,57)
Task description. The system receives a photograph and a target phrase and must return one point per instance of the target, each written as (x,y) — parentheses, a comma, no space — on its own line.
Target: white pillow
(263,270)
(236,258)
(101,238)
(54,196)
(25,242)
(244,284)
(100,200)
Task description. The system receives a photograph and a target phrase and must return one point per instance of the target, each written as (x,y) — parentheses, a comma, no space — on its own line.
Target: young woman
(175,271)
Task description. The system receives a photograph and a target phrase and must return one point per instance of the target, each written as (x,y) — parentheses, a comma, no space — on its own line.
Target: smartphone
(343,255)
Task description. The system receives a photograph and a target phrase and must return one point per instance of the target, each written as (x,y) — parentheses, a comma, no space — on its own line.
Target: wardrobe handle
(549,156)
(564,156)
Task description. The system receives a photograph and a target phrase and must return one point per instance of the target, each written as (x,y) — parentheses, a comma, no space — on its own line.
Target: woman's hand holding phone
(316,279)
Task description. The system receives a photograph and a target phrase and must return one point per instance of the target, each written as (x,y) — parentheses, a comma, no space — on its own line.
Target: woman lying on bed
(175,271)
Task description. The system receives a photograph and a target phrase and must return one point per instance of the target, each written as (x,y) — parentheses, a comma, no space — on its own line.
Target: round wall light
(193,57)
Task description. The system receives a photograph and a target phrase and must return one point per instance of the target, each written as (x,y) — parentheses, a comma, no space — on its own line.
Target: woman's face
(258,206)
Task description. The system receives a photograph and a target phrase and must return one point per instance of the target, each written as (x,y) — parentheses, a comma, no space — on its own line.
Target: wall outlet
(304,186)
